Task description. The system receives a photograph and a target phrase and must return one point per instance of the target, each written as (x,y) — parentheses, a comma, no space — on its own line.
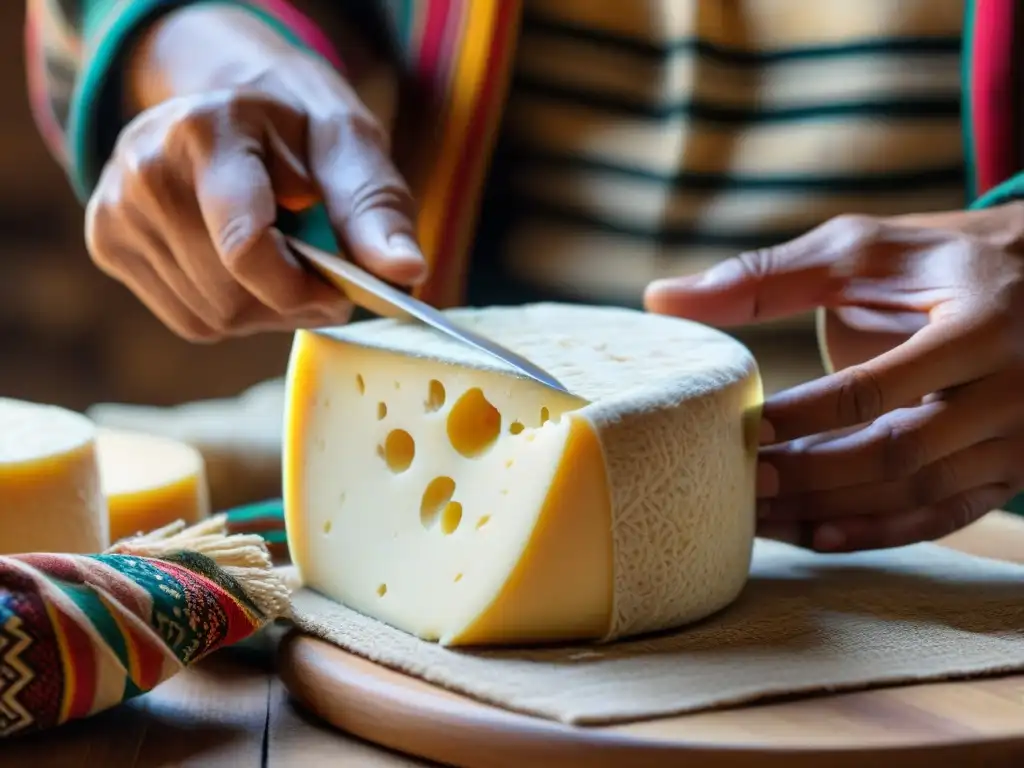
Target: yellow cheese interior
(460,505)
(150,481)
(50,497)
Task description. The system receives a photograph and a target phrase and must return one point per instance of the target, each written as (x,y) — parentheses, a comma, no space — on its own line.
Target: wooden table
(232,711)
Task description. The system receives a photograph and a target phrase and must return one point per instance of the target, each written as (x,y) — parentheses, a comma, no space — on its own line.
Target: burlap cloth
(806,623)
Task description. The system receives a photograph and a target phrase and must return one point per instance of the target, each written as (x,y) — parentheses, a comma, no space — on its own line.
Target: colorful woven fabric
(80,634)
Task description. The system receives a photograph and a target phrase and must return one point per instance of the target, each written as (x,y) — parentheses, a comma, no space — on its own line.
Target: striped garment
(637,140)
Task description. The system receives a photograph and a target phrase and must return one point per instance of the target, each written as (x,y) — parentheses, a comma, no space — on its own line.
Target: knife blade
(370,293)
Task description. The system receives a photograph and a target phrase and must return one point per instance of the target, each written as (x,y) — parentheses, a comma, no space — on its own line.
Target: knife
(370,293)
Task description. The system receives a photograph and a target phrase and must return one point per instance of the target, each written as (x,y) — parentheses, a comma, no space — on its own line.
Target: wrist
(202,47)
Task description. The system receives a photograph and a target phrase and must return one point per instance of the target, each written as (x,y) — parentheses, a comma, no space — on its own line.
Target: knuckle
(361,128)
(373,194)
(859,398)
(233,240)
(936,482)
(963,509)
(904,451)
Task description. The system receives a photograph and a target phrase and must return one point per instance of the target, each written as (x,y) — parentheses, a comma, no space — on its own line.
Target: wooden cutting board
(975,723)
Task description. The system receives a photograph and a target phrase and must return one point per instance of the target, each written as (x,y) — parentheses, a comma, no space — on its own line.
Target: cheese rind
(625,508)
(150,481)
(50,494)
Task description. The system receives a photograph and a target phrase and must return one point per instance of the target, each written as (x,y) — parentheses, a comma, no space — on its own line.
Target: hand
(921,430)
(185,208)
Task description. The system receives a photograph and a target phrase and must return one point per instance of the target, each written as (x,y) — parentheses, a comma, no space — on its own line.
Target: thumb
(367,199)
(766,284)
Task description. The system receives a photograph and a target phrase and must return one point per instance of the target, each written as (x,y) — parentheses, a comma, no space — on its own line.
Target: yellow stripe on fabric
(464,93)
(66,661)
(464,225)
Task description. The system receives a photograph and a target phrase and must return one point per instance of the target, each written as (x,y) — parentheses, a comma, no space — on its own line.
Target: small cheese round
(150,481)
(429,486)
(50,493)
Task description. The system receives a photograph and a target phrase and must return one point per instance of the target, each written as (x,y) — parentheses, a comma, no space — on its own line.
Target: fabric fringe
(244,557)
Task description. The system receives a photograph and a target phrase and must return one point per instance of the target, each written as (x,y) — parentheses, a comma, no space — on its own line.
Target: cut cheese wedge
(50,493)
(429,487)
(150,481)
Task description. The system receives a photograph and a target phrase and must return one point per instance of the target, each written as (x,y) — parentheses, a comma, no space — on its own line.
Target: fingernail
(829,537)
(766,433)
(402,247)
(767,480)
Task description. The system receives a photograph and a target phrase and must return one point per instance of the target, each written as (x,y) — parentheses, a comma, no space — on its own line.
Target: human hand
(184,211)
(920,431)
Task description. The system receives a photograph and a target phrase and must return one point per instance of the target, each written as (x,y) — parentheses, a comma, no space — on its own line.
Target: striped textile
(655,138)
(80,634)
(637,139)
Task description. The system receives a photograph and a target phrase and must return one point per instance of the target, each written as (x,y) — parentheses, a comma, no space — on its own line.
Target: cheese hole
(435,396)
(545,415)
(399,450)
(327,526)
(458,577)
(473,423)
(484,520)
(382,411)
(382,590)
(360,384)
(451,517)
(435,498)
(516,427)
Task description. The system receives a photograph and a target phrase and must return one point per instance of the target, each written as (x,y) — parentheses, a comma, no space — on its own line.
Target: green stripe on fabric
(1010,190)
(92,605)
(894,183)
(902,107)
(966,103)
(271,510)
(535,25)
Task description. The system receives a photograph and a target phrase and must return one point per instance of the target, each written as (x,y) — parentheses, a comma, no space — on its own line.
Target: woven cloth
(82,633)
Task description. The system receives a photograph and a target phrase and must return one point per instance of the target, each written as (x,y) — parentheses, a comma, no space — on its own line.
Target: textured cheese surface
(149,481)
(50,494)
(671,407)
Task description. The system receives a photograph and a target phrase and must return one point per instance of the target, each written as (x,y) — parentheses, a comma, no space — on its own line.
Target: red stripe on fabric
(81,658)
(241,622)
(303,27)
(992,98)
(448,56)
(148,653)
(434,24)
(462,200)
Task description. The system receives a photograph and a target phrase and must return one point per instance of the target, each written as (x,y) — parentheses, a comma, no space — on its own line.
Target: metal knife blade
(373,294)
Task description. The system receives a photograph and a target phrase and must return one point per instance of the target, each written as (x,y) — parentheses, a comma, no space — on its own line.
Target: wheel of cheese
(50,494)
(430,487)
(150,481)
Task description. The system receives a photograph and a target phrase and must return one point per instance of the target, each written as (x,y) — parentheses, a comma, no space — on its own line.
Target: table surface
(232,711)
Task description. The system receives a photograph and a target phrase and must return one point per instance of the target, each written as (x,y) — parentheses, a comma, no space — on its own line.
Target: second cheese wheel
(431,488)
(150,481)
(50,494)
